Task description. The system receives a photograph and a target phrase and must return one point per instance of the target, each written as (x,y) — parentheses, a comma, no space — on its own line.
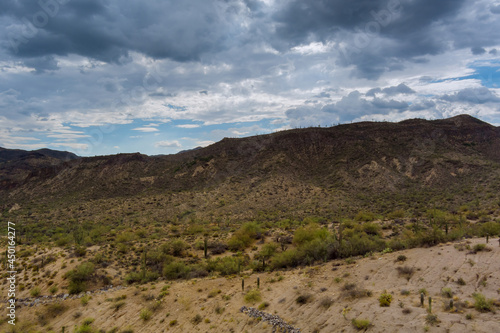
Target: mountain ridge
(368,158)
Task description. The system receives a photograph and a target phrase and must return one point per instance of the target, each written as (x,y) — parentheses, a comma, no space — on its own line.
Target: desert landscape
(399,238)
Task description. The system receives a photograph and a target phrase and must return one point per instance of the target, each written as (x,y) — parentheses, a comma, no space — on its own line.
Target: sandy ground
(434,269)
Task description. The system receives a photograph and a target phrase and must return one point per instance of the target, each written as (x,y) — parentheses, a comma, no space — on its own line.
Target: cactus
(430,304)
(258,282)
(422,299)
(451,304)
(242,284)
(205,246)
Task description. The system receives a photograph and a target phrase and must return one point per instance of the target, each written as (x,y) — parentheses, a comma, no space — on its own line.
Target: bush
(85,300)
(479,247)
(244,237)
(145,314)
(303,299)
(401,258)
(431,319)
(53,289)
(263,305)
(461,282)
(225,266)
(55,309)
(176,270)
(253,296)
(446,292)
(385,299)
(406,272)
(35,292)
(481,303)
(326,302)
(197,319)
(361,324)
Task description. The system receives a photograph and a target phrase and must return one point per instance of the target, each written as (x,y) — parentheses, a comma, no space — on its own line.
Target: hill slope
(347,161)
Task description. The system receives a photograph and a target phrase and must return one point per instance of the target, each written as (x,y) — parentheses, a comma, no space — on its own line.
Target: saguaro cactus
(205,246)
(242,284)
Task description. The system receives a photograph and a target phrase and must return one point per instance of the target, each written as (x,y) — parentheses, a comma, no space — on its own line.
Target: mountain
(16,165)
(372,165)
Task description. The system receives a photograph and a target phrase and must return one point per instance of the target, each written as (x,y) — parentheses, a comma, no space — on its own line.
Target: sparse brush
(263,305)
(197,319)
(361,324)
(253,296)
(431,319)
(446,292)
(406,272)
(326,302)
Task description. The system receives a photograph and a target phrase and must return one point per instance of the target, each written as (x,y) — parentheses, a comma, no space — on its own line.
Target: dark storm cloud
(477,50)
(108,31)
(388,31)
(42,64)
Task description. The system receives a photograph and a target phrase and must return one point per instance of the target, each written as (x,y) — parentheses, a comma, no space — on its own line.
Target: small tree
(267,251)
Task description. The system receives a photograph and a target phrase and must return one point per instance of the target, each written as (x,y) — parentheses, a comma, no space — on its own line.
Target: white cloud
(168,144)
(145,129)
(188,126)
(204,143)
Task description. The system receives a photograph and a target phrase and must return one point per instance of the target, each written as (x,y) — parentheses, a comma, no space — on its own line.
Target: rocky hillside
(458,155)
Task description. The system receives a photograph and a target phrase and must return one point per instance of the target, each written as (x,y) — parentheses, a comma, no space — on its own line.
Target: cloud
(477,50)
(391,91)
(230,62)
(168,144)
(146,129)
(188,126)
(108,32)
(473,96)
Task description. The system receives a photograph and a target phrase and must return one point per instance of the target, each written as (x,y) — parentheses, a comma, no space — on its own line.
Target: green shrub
(479,247)
(225,266)
(481,303)
(263,305)
(173,323)
(145,314)
(361,324)
(253,296)
(385,299)
(85,300)
(401,258)
(176,270)
(35,292)
(244,236)
(53,289)
(446,292)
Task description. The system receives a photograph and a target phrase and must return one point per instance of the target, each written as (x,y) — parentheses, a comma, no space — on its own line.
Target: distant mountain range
(355,164)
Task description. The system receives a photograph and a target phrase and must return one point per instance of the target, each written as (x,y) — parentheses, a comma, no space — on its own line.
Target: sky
(99,77)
